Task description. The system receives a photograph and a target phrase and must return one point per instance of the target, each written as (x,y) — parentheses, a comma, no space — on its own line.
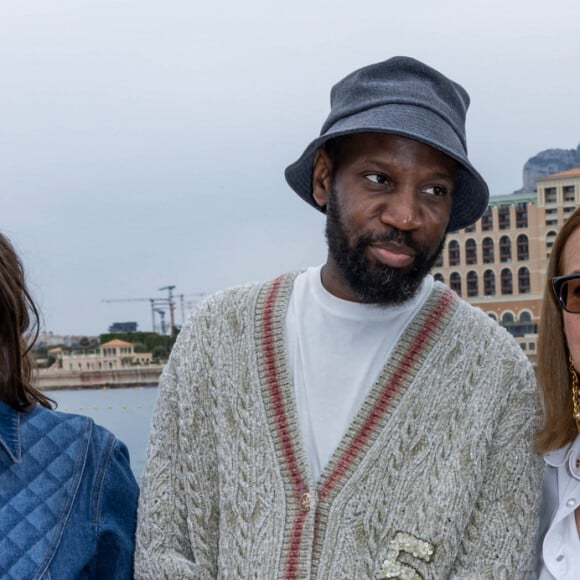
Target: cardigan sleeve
(499,539)
(177,529)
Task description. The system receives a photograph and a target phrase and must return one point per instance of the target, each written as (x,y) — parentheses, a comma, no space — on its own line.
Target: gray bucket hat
(405,97)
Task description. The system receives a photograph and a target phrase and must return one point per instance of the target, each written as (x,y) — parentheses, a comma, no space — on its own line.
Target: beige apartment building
(499,264)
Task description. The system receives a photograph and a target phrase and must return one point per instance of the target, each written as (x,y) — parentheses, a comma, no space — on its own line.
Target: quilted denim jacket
(67,498)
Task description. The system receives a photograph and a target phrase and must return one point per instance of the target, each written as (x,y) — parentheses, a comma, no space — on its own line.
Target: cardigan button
(305,502)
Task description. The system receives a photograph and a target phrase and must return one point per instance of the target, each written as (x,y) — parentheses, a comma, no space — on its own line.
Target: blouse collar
(570,454)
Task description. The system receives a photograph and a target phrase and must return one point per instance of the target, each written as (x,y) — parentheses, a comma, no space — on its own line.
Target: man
(357,420)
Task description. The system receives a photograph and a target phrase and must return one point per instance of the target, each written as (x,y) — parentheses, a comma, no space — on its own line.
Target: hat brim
(470,195)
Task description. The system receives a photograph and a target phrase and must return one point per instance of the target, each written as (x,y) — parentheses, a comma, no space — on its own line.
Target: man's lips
(392,254)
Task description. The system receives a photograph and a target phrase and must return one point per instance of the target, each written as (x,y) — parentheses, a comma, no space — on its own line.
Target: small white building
(115,354)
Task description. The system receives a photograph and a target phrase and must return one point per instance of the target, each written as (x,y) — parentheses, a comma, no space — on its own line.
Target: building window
(470,252)
(472,286)
(550,237)
(569,193)
(470,229)
(523,251)
(506,281)
(525,324)
(503,214)
(439,261)
(489,283)
(522,215)
(523,281)
(508,322)
(550,195)
(454,253)
(487,220)
(439,277)
(492,316)
(455,283)
(487,247)
(505,249)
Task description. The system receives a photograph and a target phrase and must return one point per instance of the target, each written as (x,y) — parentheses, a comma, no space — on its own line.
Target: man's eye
(376,177)
(437,190)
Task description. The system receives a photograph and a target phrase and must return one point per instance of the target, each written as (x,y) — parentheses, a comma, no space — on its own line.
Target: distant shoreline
(59,379)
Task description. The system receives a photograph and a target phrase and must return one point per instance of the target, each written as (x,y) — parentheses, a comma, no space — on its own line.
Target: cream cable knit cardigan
(435,478)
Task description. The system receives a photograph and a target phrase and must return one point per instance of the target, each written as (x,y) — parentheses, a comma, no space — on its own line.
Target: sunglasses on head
(567,291)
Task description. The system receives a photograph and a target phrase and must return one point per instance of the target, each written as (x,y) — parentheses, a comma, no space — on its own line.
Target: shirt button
(559,558)
(571,502)
(574,463)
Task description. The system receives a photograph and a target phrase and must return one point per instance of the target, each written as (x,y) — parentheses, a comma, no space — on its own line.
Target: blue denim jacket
(68,498)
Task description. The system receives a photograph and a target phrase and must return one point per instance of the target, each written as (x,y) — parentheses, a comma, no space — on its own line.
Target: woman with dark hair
(558,366)
(67,494)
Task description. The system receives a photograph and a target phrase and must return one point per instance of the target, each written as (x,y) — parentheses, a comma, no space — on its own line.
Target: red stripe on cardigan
(376,413)
(282,426)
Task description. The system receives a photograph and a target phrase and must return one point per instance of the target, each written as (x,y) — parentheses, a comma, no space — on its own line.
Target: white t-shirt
(336,350)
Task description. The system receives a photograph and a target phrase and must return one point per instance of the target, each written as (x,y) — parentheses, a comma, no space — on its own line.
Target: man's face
(388,201)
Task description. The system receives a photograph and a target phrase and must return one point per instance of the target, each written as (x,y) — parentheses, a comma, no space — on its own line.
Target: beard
(376,283)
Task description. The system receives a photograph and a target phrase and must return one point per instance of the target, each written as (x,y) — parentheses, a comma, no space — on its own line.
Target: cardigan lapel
(280,403)
(390,386)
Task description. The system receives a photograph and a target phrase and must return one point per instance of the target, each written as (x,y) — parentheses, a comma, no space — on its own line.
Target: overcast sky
(143,143)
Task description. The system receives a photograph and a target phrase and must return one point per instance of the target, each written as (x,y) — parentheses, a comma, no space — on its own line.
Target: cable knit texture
(435,477)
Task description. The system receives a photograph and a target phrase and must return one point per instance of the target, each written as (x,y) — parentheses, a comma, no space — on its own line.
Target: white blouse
(558,534)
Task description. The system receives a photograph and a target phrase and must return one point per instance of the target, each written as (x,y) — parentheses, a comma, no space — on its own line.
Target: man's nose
(401,210)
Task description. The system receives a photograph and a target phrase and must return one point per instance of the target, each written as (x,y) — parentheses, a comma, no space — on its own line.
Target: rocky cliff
(548,162)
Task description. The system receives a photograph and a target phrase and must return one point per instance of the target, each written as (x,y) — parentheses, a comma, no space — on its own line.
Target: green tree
(140,347)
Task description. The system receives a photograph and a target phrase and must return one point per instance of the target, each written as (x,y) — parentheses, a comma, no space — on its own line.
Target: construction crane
(162,317)
(152,301)
(171,306)
(188,304)
(158,306)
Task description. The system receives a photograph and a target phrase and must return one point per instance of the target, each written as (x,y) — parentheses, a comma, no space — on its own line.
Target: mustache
(395,236)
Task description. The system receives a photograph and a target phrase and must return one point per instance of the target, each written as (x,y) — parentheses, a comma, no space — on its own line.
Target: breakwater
(135,376)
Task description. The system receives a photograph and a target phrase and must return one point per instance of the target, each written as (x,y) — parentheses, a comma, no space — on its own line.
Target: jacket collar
(10,432)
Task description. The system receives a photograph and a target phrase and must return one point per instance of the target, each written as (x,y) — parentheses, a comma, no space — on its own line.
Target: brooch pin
(404,542)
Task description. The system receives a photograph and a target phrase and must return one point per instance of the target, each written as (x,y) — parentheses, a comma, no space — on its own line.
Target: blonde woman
(559,439)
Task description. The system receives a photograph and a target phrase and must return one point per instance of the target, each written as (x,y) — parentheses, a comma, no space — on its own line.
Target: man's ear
(321,177)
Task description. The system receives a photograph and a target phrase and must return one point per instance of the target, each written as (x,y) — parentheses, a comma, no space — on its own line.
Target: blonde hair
(559,426)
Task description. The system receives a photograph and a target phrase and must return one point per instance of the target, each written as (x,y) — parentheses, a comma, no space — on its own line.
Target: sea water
(125,412)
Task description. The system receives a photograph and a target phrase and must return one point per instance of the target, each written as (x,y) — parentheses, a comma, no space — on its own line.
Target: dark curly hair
(19,324)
